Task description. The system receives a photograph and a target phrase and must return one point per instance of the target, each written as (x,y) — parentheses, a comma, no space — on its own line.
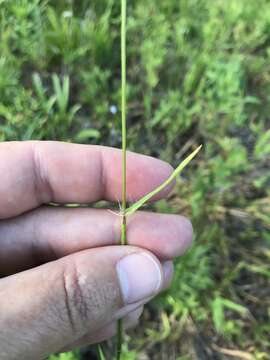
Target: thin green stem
(120,331)
(124,229)
(123,108)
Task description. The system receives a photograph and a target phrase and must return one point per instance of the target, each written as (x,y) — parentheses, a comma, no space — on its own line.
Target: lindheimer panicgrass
(127,211)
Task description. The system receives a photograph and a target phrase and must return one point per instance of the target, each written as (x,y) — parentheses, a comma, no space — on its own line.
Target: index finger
(36,172)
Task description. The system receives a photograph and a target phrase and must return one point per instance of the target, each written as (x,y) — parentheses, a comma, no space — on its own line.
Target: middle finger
(49,233)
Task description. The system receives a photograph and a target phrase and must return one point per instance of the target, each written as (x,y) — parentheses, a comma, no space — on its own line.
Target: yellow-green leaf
(131,210)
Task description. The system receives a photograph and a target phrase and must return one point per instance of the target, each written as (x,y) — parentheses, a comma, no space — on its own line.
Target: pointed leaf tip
(132,209)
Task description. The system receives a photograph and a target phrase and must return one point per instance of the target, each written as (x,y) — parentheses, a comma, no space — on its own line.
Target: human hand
(66,282)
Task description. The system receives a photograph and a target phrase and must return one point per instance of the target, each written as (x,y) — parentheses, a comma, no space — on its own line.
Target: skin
(59,287)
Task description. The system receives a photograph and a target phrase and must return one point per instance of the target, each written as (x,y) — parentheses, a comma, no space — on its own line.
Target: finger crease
(102,175)
(67,303)
(43,190)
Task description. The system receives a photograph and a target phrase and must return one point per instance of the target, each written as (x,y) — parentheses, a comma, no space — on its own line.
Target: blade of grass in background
(100,353)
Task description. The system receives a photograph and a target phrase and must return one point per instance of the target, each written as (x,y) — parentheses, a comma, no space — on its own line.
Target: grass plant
(124,154)
(131,210)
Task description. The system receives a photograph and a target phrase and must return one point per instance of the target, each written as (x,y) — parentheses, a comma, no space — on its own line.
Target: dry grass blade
(238,354)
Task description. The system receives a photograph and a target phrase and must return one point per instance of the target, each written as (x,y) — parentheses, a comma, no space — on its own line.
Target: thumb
(46,308)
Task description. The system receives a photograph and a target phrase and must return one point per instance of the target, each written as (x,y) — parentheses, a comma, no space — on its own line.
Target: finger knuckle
(75,298)
(88,300)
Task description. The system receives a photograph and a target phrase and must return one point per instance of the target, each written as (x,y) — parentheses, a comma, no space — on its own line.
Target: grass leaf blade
(101,355)
(131,210)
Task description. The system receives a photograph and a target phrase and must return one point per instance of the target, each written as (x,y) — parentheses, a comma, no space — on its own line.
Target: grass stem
(119,343)
(120,331)
(123,109)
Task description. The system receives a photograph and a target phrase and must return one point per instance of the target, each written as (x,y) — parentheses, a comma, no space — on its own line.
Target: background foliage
(198,72)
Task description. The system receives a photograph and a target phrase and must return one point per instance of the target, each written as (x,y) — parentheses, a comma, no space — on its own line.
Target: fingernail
(185,235)
(140,276)
(167,267)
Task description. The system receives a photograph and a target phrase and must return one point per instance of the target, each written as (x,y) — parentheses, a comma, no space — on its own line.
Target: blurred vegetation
(198,72)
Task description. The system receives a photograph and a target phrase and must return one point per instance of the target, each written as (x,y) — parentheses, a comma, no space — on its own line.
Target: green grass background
(198,72)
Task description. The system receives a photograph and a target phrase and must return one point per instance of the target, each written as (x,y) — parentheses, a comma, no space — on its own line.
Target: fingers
(33,173)
(46,308)
(50,233)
